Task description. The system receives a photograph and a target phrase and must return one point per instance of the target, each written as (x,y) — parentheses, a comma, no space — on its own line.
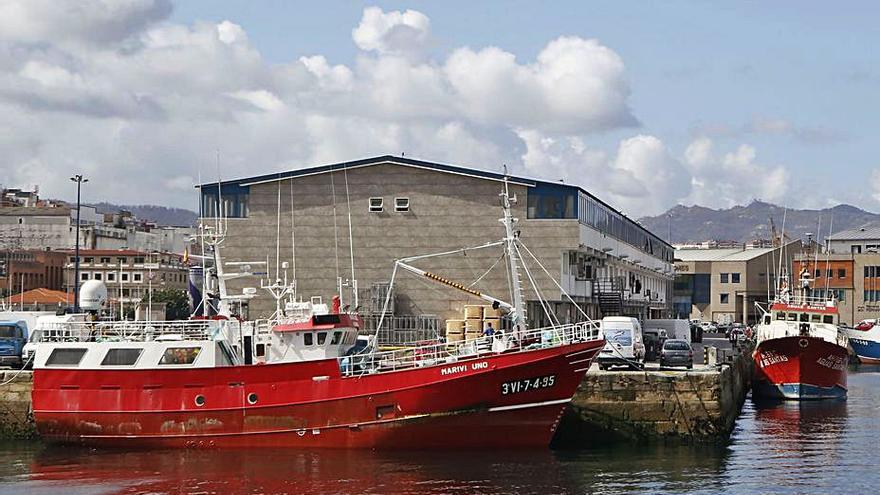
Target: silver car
(677,352)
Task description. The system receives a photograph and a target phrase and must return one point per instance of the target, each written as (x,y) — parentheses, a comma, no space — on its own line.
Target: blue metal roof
(401,160)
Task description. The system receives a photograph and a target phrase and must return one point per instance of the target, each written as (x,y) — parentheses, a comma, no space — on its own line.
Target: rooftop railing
(138,331)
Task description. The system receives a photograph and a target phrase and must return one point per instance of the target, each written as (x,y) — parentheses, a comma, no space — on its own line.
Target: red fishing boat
(302,379)
(801,352)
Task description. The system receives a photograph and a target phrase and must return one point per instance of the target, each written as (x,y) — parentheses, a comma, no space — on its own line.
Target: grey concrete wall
(694,406)
(447,212)
(16,418)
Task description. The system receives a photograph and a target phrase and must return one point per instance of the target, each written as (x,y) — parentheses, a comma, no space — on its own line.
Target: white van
(623,342)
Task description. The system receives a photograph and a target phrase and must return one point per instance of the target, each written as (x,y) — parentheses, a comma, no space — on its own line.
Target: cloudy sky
(646,104)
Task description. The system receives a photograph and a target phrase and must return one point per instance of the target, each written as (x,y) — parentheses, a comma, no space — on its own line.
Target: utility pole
(79,181)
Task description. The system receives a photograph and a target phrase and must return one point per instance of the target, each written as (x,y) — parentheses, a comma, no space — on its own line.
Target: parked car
(624,344)
(734,326)
(677,352)
(709,326)
(696,333)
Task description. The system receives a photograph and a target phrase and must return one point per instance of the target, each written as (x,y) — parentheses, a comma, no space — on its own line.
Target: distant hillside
(159,214)
(745,223)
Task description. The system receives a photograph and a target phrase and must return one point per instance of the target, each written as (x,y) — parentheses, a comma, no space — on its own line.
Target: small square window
(105,260)
(725,298)
(734,277)
(125,277)
(98,276)
(84,276)
(841,273)
(111,276)
(88,259)
(376,205)
(725,277)
(136,277)
(401,204)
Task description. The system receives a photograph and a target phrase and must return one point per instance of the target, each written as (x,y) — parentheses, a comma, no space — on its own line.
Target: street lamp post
(79,181)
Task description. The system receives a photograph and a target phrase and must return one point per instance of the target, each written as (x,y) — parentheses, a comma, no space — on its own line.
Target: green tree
(176,303)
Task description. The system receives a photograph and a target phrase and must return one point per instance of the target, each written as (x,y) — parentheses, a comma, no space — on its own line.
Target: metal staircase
(610,294)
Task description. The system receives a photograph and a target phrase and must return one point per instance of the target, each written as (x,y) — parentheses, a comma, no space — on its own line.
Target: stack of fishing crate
(476,319)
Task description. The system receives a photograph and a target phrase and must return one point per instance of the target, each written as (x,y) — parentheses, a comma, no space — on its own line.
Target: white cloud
(90,21)
(392,33)
(142,105)
(732,178)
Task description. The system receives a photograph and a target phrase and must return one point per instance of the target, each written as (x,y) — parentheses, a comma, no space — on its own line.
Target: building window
(122,260)
(98,276)
(139,259)
(124,277)
(818,273)
(88,259)
(73,259)
(725,298)
(856,249)
(105,259)
(725,278)
(829,273)
(841,273)
(734,277)
(84,276)
(401,204)
(136,277)
(111,276)
(376,205)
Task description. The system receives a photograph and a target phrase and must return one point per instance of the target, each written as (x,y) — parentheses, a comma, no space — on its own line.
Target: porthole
(200,400)
(252,398)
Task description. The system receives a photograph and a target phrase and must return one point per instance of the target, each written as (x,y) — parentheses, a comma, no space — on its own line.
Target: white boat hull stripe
(530,404)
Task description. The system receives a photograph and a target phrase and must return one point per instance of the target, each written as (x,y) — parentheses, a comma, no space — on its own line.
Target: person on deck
(489,331)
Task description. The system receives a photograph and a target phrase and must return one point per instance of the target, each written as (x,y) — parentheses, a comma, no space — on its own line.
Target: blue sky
(712,103)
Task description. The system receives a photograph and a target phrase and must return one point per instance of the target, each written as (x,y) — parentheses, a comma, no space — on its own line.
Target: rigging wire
(335,231)
(292,237)
(352,282)
(544,304)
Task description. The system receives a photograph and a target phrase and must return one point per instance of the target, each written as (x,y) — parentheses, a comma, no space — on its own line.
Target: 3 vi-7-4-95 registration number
(526,384)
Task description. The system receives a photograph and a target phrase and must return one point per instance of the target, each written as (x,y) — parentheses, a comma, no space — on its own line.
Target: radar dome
(92,295)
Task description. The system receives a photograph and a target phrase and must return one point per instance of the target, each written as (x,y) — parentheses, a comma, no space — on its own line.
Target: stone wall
(16,418)
(692,407)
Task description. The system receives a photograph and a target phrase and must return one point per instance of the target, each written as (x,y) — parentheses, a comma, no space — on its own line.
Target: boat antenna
(779,275)
(292,239)
(335,234)
(353,281)
(278,235)
(511,238)
(828,256)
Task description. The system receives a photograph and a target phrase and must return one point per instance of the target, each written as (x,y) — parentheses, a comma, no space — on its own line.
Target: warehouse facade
(351,220)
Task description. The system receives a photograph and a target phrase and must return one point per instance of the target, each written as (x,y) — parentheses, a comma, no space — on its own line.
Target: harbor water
(818,447)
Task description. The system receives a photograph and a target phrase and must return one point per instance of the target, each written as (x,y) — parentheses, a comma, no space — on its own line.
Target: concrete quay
(651,405)
(16,418)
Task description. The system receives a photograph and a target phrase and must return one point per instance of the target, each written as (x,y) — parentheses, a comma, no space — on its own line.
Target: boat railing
(139,331)
(434,353)
(796,329)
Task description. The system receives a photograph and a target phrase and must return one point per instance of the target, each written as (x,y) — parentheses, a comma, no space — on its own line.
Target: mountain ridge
(743,223)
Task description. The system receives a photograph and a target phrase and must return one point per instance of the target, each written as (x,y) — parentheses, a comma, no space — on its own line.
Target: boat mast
(511,237)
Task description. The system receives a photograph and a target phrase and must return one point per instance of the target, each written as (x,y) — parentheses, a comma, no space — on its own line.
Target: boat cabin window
(780,316)
(180,355)
(322,337)
(337,337)
(767,320)
(308,338)
(805,317)
(828,319)
(121,357)
(792,317)
(260,351)
(65,357)
(816,318)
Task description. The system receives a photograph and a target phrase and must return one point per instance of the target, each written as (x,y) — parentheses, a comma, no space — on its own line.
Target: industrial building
(723,285)
(127,274)
(349,222)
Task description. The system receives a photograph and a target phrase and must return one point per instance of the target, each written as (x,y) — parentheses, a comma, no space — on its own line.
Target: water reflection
(790,447)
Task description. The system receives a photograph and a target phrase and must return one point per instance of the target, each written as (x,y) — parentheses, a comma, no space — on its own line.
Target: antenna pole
(353,281)
(510,240)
